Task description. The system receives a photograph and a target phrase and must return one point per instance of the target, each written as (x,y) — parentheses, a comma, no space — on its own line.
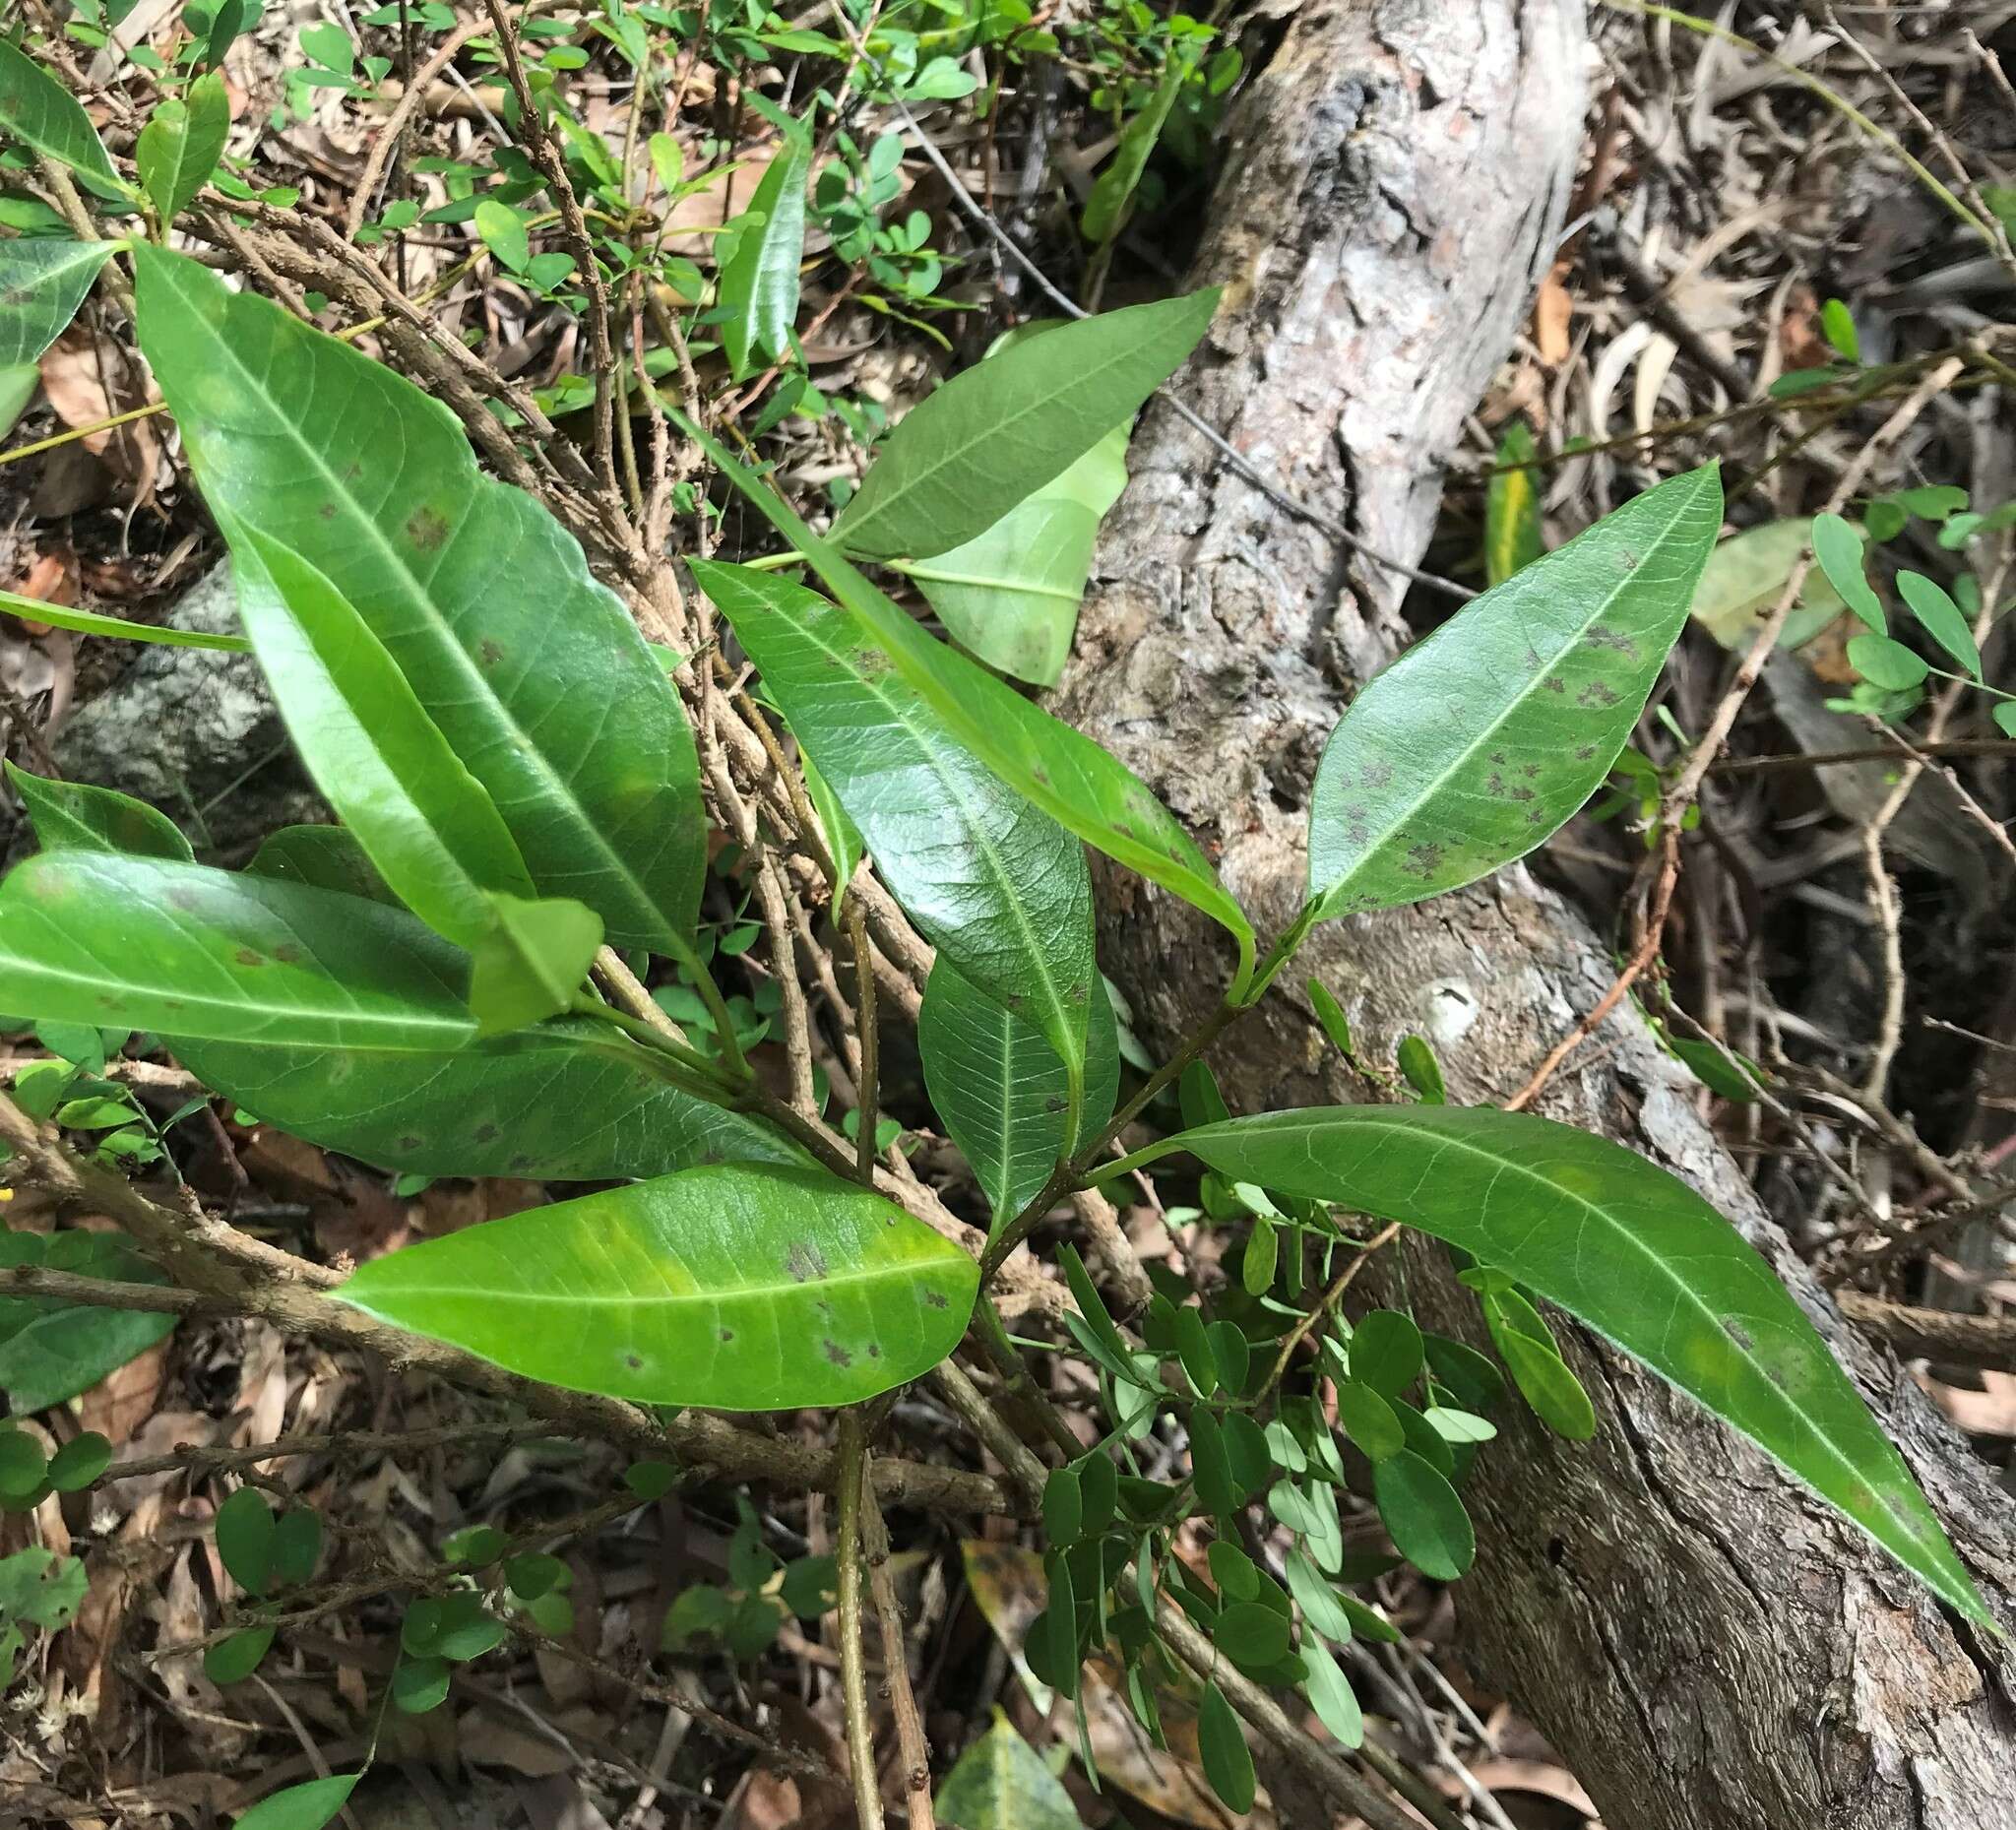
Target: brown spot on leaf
(485,1132)
(1596,693)
(936,1299)
(246,956)
(836,1354)
(490,653)
(805,1261)
(1423,859)
(427,529)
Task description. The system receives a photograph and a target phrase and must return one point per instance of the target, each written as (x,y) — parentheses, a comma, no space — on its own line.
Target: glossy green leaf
(1251,1633)
(296,1547)
(1105,210)
(1423,1516)
(1940,619)
(1627,1249)
(326,857)
(1011,593)
(37,110)
(22,1464)
(1322,1607)
(42,285)
(1063,1508)
(545,690)
(90,622)
(1193,1348)
(1209,1467)
(1311,1509)
(1331,1696)
(306,1806)
(566,1102)
(1000,1783)
(50,1350)
(1221,1743)
(146,943)
(1512,526)
(1045,761)
(244,1539)
(1886,664)
(1838,547)
(1001,1089)
(19,384)
(429,828)
(999,889)
(1745,575)
(420,1684)
(504,233)
(97,819)
(759,283)
(1002,429)
(1526,1347)
(181,144)
(1480,742)
(738,1288)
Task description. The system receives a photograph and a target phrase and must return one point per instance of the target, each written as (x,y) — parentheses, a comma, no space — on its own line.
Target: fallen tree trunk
(1709,1648)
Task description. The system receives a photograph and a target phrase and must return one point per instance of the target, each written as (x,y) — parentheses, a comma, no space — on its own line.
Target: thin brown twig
(853,1677)
(866,1027)
(911,1744)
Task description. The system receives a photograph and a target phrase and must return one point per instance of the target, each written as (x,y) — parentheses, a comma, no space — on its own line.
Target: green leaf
(1512,529)
(1745,575)
(1423,1516)
(326,857)
(582,742)
(38,110)
(80,1461)
(1063,1507)
(1628,1251)
(1481,741)
(89,622)
(232,1661)
(1422,1071)
(1838,546)
(1322,1607)
(504,233)
(843,837)
(1369,1421)
(2005,717)
(244,1539)
(50,1350)
(1105,210)
(994,885)
(1250,1633)
(566,1102)
(42,285)
(1227,1761)
(296,1547)
(759,283)
(428,825)
(1941,618)
(181,144)
(22,1464)
(1001,1784)
(1526,1347)
(1331,1696)
(19,382)
(150,944)
(999,431)
(1386,1352)
(97,819)
(1049,763)
(1837,325)
(1886,664)
(306,1806)
(739,1288)
(1001,1089)
(1011,593)
(420,1684)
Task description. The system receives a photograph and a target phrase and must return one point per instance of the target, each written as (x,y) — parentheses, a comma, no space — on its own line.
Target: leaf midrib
(1502,1164)
(907,1273)
(1479,745)
(522,745)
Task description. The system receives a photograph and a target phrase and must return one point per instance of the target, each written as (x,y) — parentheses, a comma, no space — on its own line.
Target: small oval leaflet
(740,1287)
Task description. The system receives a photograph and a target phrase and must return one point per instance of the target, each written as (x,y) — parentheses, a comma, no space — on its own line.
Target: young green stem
(853,1677)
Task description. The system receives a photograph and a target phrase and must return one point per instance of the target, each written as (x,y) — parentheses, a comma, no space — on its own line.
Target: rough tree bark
(1709,1648)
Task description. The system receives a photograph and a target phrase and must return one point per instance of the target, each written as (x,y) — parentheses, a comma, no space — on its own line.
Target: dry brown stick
(903,1703)
(1987,1341)
(988,1424)
(853,1677)
(211,1459)
(866,1087)
(775,899)
(1331,1298)
(411,97)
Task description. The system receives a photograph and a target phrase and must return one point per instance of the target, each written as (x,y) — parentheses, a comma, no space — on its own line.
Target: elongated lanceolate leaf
(1001,1088)
(90,622)
(42,285)
(1004,428)
(534,675)
(759,284)
(566,1102)
(181,144)
(1011,596)
(739,1288)
(1627,1249)
(145,943)
(999,887)
(1482,740)
(42,114)
(427,825)
(1046,762)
